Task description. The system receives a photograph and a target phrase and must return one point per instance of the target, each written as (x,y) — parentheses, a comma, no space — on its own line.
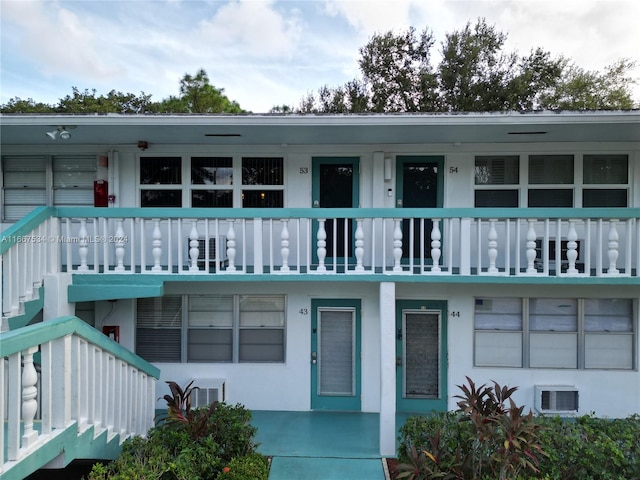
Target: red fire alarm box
(100,193)
(112,331)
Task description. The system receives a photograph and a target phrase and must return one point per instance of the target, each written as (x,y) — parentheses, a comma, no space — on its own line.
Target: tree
(397,68)
(475,74)
(17,105)
(580,89)
(197,95)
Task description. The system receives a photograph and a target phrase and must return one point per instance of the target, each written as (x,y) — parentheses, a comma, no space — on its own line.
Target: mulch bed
(391,465)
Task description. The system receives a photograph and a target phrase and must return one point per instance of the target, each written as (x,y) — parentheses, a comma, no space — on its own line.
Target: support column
(387,369)
(55,299)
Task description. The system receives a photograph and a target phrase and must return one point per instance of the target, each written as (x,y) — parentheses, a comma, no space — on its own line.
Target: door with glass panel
(421,362)
(335,185)
(419,185)
(335,355)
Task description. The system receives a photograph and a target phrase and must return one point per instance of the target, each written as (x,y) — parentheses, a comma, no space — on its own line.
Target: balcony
(466,245)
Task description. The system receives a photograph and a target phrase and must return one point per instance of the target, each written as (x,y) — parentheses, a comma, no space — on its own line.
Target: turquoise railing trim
(284,213)
(9,237)
(32,335)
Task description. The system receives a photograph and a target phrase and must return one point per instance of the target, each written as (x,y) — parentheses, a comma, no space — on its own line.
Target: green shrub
(248,467)
(188,444)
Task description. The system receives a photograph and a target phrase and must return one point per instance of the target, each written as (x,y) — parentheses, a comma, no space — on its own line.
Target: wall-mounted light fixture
(388,169)
(143,145)
(61,131)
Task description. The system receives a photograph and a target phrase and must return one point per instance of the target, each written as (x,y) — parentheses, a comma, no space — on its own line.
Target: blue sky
(266,53)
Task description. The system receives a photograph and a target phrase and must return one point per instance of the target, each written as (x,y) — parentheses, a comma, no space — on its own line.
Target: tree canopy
(475,74)
(197,95)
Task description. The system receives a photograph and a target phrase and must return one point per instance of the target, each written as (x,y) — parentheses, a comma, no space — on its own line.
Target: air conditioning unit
(209,390)
(215,253)
(561,399)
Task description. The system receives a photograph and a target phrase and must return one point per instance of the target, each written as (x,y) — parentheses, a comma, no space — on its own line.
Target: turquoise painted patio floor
(320,445)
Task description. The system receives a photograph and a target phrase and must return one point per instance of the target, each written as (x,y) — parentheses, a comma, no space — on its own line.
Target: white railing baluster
(612,246)
(119,246)
(321,245)
(531,247)
(492,244)
(156,249)
(231,247)
(14,386)
(83,245)
(194,250)
(284,245)
(29,394)
(359,245)
(572,245)
(435,245)
(397,245)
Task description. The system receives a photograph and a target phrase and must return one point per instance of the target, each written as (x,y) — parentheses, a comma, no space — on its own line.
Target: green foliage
(248,467)
(188,444)
(475,74)
(197,95)
(590,448)
(486,438)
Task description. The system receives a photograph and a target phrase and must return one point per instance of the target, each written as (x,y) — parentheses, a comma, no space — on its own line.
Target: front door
(421,349)
(336,185)
(335,355)
(420,185)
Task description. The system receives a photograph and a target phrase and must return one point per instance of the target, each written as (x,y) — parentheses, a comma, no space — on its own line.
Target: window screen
(24,185)
(158,332)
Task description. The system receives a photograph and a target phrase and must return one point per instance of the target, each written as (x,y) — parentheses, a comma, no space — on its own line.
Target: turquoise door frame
(348,401)
(337,199)
(418,404)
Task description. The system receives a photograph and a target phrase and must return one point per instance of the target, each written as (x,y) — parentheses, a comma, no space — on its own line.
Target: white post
(284,245)
(465,246)
(613,247)
(435,245)
(359,245)
(387,369)
(322,244)
(397,245)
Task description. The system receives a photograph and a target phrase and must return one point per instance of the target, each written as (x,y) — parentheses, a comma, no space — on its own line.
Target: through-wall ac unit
(215,253)
(561,399)
(209,390)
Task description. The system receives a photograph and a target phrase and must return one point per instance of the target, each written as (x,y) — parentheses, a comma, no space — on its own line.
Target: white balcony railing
(424,242)
(84,381)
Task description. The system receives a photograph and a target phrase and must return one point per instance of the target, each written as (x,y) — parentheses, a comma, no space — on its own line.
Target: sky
(267,52)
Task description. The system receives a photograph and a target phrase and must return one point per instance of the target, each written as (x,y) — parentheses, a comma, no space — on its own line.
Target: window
(497,179)
(606,181)
(549,176)
(32,181)
(262,180)
(159,326)
(556,333)
(208,182)
(215,328)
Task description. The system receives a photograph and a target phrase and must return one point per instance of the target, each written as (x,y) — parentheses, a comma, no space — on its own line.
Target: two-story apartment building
(364,263)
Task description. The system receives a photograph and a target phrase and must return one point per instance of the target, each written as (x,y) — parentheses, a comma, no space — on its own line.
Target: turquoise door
(419,185)
(421,349)
(336,184)
(335,355)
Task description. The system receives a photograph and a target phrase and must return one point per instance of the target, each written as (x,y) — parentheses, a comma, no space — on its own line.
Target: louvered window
(261,324)
(210,337)
(24,185)
(496,179)
(567,333)
(553,178)
(159,327)
(73,178)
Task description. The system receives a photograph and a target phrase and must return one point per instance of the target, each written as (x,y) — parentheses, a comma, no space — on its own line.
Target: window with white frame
(552,180)
(208,182)
(40,180)
(212,328)
(554,333)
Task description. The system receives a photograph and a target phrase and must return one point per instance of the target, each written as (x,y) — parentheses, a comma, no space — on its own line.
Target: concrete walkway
(320,445)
